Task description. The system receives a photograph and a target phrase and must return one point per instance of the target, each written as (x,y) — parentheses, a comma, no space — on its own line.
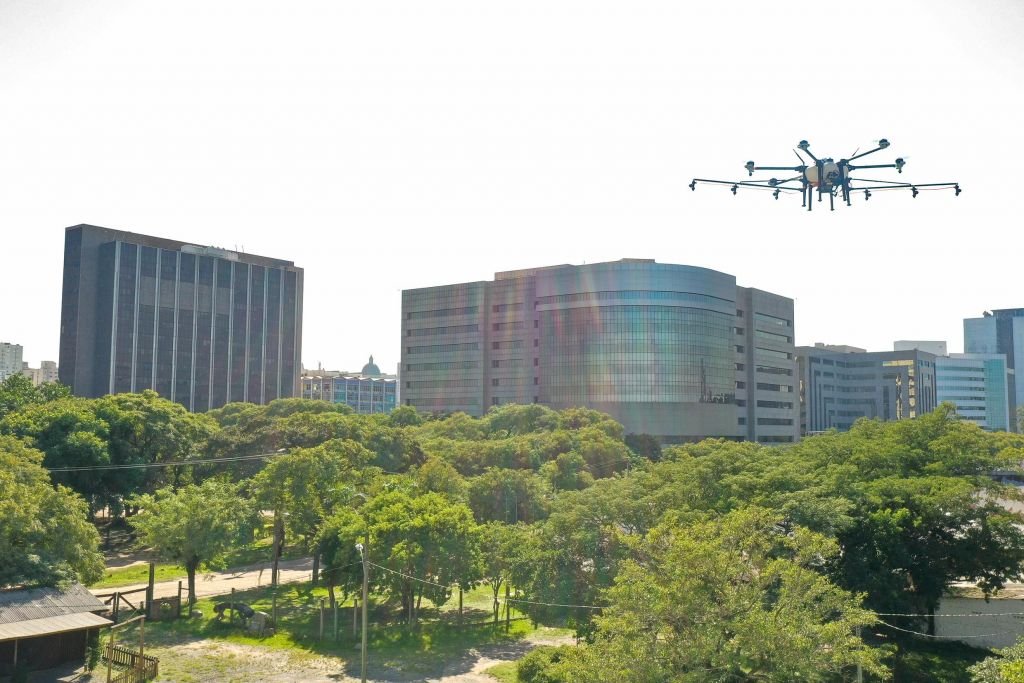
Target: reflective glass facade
(976,384)
(652,344)
(198,325)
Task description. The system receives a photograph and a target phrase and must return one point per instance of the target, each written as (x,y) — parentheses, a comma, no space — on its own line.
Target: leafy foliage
(45,539)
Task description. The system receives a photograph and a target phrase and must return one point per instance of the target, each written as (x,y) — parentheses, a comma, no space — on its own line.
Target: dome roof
(370,369)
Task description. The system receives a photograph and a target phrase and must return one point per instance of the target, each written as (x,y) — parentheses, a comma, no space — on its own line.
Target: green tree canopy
(734,599)
(193,526)
(45,538)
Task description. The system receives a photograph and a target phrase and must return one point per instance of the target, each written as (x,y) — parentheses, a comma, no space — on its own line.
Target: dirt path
(218,583)
(209,661)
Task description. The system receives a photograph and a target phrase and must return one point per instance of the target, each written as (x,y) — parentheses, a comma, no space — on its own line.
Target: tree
(17,391)
(508,496)
(428,537)
(70,434)
(193,526)
(45,538)
(732,599)
(146,429)
(305,486)
(499,545)
(1007,666)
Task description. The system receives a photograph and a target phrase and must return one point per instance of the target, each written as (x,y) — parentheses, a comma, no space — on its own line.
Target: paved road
(218,583)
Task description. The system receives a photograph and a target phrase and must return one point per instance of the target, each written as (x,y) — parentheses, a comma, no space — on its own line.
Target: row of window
(442,383)
(445,365)
(434,331)
(441,312)
(443,348)
(688,297)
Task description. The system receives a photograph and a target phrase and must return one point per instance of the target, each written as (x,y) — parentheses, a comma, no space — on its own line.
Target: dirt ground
(209,661)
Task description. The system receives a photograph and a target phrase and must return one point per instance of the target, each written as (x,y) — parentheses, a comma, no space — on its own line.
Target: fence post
(231,605)
(355,617)
(117,604)
(149,590)
(321,619)
(335,621)
(460,605)
(273,606)
(179,599)
(508,609)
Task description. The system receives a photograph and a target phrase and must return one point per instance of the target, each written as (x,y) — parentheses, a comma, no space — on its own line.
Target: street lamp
(363,552)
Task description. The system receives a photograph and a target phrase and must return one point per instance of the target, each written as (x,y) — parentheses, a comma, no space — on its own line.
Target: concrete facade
(10,359)
(837,388)
(46,372)
(665,349)
(199,325)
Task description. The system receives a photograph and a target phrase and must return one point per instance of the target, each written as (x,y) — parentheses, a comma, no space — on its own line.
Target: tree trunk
(330,593)
(495,587)
(316,564)
(278,542)
(190,568)
(419,600)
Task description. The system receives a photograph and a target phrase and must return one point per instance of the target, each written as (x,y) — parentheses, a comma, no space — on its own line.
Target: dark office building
(841,384)
(199,325)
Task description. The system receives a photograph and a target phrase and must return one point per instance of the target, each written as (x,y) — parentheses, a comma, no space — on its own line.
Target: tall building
(10,359)
(977,385)
(1000,331)
(837,387)
(367,391)
(201,326)
(46,372)
(678,352)
(936,348)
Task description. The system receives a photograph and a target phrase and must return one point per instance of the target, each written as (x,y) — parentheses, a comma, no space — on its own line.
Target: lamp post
(364,551)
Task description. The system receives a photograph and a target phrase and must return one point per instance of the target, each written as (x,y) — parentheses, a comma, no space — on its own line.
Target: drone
(828,177)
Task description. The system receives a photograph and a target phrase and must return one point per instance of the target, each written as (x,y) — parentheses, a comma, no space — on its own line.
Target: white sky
(389,145)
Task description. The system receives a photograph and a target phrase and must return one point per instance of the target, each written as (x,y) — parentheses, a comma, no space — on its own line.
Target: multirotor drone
(828,177)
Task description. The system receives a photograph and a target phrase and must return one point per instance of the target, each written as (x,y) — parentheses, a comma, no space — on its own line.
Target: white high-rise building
(10,360)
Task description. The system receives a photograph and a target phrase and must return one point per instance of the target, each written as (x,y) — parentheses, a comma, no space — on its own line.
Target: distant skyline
(410,144)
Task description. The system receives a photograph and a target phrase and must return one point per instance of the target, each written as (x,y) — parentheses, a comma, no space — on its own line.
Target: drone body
(827,177)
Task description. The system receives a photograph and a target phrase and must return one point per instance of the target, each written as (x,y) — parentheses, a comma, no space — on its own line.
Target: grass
(254,553)
(918,661)
(436,644)
(504,672)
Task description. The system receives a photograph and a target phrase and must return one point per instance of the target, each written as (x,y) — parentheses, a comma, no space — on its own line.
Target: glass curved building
(678,352)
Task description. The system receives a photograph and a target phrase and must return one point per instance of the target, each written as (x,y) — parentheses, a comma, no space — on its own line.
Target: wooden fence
(135,671)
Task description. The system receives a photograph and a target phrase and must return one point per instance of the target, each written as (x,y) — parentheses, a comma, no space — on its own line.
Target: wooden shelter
(45,627)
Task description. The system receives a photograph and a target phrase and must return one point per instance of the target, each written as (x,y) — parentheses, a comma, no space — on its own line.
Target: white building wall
(10,360)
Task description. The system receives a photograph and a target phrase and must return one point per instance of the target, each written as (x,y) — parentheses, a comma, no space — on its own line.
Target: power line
(554,604)
(928,635)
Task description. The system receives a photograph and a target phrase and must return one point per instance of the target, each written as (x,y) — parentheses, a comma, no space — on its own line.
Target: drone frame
(830,177)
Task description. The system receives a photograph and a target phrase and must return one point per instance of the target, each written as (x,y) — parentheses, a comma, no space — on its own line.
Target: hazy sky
(389,145)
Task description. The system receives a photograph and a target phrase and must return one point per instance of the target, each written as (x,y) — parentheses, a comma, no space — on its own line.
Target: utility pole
(860,673)
(364,551)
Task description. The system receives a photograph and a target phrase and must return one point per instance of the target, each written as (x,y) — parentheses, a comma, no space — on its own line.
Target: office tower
(10,359)
(674,351)
(1000,332)
(200,325)
(977,385)
(936,348)
(838,386)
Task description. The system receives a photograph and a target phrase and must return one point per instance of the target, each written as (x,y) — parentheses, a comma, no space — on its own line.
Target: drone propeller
(802,162)
(854,153)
